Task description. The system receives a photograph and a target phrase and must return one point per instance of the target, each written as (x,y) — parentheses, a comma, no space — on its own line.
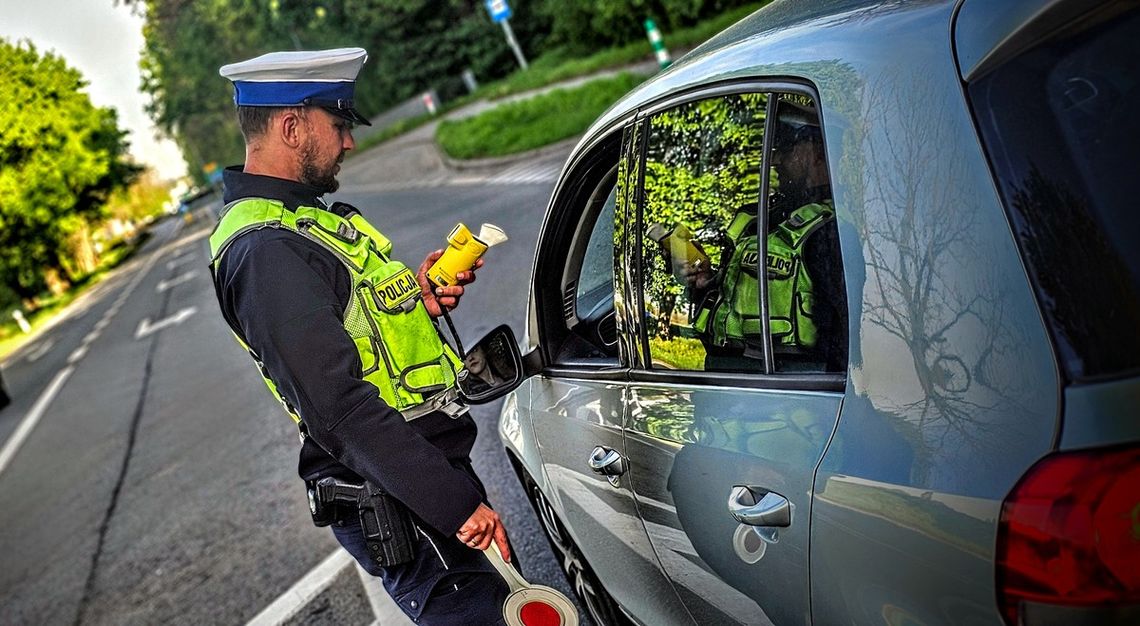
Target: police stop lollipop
(531,605)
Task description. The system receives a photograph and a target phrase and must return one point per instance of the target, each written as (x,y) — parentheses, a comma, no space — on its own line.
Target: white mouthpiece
(492,235)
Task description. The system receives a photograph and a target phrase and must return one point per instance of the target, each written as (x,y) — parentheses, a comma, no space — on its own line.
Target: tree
(145,198)
(185,44)
(61,157)
(586,25)
(414,45)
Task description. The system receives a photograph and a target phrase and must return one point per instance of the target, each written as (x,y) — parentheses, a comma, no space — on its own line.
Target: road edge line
(303,591)
(12,446)
(384,608)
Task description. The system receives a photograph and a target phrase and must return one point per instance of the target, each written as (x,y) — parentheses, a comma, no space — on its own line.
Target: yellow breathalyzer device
(463,249)
(682,250)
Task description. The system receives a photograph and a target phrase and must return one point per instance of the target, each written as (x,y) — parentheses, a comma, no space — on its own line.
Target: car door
(577,405)
(729,411)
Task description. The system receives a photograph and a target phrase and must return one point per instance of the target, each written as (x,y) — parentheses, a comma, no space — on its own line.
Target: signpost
(500,13)
(212,172)
(655,40)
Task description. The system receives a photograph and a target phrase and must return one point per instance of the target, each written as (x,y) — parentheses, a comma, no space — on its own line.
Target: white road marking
(527,173)
(523,173)
(33,416)
(303,591)
(37,411)
(40,350)
(163,285)
(91,336)
(146,327)
(466,180)
(77,354)
(181,260)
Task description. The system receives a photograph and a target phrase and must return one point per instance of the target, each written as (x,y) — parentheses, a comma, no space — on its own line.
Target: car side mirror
(493,367)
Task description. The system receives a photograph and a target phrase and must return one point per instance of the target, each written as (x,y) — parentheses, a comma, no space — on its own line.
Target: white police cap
(324,78)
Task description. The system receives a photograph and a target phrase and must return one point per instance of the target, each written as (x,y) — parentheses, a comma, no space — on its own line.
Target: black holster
(389,532)
(388,529)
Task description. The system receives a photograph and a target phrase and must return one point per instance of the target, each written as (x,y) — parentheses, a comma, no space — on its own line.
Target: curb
(496,162)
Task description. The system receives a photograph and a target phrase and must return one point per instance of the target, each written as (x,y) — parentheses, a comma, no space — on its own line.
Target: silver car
(935,419)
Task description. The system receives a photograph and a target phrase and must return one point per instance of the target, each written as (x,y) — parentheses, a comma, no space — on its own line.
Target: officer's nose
(347,142)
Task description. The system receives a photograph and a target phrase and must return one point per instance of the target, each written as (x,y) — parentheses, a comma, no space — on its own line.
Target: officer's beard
(313,175)
(789,197)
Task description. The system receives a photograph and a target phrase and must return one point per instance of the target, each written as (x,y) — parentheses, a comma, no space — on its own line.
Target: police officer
(344,336)
(729,317)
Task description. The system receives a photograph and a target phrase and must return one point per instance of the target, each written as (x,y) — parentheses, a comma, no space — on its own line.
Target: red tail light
(1070,533)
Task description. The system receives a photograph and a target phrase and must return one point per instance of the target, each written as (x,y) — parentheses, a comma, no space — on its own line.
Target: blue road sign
(499,10)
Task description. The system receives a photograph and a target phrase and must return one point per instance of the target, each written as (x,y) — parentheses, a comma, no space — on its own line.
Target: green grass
(534,122)
(559,65)
(11,337)
(678,353)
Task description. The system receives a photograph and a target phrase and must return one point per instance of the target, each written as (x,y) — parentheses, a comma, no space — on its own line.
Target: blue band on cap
(289,94)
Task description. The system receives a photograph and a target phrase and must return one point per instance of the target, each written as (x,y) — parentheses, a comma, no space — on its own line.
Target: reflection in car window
(701,247)
(806,300)
(702,191)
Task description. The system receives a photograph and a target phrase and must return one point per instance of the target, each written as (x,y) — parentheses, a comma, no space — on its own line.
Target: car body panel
(569,418)
(517,435)
(688,448)
(986,32)
(953,390)
(1103,414)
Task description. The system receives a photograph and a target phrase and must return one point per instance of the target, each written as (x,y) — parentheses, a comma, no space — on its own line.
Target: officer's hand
(697,276)
(440,298)
(483,527)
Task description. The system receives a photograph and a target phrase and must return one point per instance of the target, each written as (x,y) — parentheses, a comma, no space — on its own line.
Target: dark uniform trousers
(448,583)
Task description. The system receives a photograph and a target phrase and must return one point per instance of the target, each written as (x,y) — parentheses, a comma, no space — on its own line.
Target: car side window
(574,278)
(595,279)
(704,204)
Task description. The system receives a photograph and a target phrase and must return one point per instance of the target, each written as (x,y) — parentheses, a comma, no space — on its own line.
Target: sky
(103,41)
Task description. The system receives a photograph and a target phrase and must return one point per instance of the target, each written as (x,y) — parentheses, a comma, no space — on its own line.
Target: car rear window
(1061,125)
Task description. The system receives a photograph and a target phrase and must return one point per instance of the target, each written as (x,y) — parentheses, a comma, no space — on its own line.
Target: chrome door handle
(606,462)
(771,510)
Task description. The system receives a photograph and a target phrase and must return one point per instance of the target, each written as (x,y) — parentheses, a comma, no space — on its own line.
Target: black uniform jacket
(286,297)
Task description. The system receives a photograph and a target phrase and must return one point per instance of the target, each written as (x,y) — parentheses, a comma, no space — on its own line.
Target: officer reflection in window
(804,279)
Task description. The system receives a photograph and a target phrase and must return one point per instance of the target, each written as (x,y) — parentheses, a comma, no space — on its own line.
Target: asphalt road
(147,476)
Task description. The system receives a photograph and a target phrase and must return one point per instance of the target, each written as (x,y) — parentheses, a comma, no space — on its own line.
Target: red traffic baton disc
(531,605)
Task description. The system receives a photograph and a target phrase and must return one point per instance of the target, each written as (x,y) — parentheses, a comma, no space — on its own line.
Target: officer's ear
(291,126)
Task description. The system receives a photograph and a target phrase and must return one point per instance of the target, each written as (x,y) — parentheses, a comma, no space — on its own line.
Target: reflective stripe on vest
(400,350)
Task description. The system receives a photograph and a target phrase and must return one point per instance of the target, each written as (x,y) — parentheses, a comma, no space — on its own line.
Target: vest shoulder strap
(245,215)
(338,234)
(743,223)
(804,221)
